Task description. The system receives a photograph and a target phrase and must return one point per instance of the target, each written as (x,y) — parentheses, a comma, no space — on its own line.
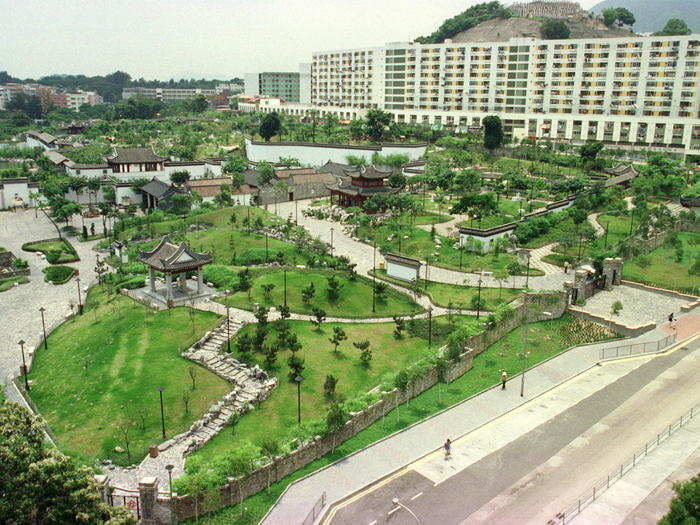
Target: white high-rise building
(629,91)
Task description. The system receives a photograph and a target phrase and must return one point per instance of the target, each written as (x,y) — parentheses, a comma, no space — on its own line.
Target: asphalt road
(543,470)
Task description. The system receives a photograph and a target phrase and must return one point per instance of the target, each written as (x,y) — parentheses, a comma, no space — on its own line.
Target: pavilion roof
(134,156)
(169,257)
(369,172)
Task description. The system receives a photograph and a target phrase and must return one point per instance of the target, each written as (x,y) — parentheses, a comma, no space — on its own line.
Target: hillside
(500,30)
(652,15)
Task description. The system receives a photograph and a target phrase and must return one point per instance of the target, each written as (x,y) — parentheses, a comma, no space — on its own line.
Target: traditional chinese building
(174,260)
(130,160)
(364,183)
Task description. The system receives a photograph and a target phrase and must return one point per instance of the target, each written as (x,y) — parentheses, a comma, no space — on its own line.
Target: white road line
(375,521)
(393,510)
(417,496)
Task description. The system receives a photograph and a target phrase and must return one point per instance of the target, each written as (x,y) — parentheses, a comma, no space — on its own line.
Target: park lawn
(222,245)
(8,282)
(68,253)
(101,370)
(275,416)
(508,211)
(429,218)
(525,165)
(460,296)
(547,338)
(355,296)
(661,268)
(420,245)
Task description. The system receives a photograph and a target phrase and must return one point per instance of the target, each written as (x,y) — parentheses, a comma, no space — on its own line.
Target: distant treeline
(110,86)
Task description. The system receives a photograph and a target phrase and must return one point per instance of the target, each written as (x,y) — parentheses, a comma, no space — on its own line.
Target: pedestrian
(566,266)
(448,448)
(671,320)
(504,378)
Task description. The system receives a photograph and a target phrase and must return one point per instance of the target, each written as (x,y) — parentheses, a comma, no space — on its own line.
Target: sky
(202,38)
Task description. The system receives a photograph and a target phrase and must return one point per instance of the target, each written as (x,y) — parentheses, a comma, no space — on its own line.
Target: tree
(180,204)
(28,104)
(339,336)
(334,287)
(269,126)
(267,290)
(493,133)
(308,293)
(244,280)
(244,344)
(296,366)
(685,507)
(380,292)
(179,177)
(552,29)
(619,15)
(336,417)
(199,103)
(329,386)
(399,327)
(319,314)
(589,151)
(267,172)
(377,120)
(41,485)
(674,27)
(365,352)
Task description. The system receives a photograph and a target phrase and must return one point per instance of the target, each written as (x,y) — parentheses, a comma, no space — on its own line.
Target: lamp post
(169,467)
(162,415)
(374,275)
(267,257)
(285,286)
(527,274)
(298,380)
(43,327)
(525,335)
(80,301)
(430,327)
(24,365)
(228,324)
(461,252)
(478,300)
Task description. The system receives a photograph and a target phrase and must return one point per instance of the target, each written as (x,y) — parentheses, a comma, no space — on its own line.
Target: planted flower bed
(58,274)
(57,251)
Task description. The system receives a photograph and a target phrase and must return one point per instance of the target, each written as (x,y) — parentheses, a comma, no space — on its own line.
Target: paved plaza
(20,305)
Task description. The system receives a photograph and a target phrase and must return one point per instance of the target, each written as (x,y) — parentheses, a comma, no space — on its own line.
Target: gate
(129,500)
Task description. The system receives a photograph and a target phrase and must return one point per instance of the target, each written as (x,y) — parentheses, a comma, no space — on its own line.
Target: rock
(119,449)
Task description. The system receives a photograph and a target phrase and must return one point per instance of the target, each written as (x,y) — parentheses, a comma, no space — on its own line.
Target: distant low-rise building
(165,94)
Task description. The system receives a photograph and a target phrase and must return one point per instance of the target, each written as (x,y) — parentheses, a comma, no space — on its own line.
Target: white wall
(10,189)
(399,271)
(251,84)
(319,155)
(126,191)
(33,143)
(486,242)
(242,199)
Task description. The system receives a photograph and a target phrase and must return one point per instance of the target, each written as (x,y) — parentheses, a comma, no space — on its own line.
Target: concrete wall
(10,189)
(122,192)
(318,154)
(399,271)
(486,242)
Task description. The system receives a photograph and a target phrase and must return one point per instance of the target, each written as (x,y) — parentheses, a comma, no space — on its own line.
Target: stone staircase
(251,386)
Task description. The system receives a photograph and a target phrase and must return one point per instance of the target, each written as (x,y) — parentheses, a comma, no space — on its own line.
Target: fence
(650,347)
(601,486)
(315,510)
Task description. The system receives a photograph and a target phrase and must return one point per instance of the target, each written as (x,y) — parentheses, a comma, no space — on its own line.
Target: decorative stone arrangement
(251,385)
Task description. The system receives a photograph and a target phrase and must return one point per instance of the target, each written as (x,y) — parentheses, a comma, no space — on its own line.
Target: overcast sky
(201,38)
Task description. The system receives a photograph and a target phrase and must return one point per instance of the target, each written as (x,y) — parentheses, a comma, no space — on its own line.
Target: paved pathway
(363,255)
(447,228)
(384,457)
(20,305)
(593,221)
(538,254)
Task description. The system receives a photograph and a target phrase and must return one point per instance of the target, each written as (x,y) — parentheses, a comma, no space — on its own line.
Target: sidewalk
(384,457)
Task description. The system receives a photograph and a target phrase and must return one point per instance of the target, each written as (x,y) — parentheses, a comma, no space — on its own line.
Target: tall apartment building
(288,86)
(637,91)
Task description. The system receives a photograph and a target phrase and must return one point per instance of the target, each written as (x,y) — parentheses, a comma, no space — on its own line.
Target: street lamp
(374,275)
(478,300)
(525,335)
(162,415)
(169,467)
(527,274)
(285,286)
(43,327)
(430,327)
(24,365)
(298,380)
(228,324)
(397,504)
(80,301)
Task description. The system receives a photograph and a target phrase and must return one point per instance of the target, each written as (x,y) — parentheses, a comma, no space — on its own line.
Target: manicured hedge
(58,274)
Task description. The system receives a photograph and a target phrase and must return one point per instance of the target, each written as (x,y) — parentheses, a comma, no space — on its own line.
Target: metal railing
(601,486)
(650,347)
(315,510)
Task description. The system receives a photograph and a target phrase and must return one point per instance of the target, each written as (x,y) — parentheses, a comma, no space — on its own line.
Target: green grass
(661,268)
(420,245)
(546,339)
(275,416)
(508,211)
(8,282)
(429,218)
(443,294)
(58,274)
(101,370)
(67,252)
(355,297)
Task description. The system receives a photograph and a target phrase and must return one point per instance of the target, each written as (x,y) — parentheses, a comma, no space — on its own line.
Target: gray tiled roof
(134,155)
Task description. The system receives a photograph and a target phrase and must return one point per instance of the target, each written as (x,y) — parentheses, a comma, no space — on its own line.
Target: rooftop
(168,256)
(134,156)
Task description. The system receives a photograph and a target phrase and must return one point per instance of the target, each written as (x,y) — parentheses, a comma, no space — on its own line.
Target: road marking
(393,510)
(375,521)
(417,496)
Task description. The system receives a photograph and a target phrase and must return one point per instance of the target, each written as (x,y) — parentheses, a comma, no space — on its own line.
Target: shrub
(53,256)
(58,274)
(20,264)
(136,281)
(616,307)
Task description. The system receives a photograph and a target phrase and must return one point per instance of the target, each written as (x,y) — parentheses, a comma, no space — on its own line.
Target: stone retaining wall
(238,489)
(627,331)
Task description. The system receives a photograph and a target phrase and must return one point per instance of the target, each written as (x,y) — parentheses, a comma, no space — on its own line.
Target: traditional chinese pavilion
(174,260)
(131,160)
(364,183)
